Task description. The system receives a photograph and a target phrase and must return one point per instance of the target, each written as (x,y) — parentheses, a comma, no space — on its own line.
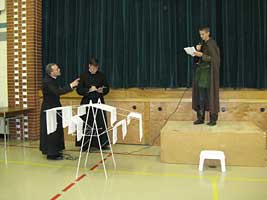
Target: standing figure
(205,96)
(52,144)
(93,87)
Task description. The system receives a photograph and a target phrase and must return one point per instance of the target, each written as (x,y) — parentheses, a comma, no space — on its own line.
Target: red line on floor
(94,167)
(80,178)
(68,187)
(55,197)
(101,161)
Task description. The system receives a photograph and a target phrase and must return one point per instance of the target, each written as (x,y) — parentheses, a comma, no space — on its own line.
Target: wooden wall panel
(158,105)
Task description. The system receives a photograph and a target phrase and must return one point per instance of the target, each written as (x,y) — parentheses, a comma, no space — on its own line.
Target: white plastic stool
(214,155)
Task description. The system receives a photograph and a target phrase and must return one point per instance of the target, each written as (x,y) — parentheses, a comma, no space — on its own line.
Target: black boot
(212,123)
(213,119)
(200,117)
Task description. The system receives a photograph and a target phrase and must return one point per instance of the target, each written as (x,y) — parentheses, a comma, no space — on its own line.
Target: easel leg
(114,162)
(89,145)
(79,161)
(100,147)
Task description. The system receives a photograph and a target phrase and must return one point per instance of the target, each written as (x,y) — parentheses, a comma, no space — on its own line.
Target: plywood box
(242,142)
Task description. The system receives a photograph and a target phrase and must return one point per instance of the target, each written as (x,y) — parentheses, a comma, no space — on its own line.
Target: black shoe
(212,123)
(198,121)
(54,157)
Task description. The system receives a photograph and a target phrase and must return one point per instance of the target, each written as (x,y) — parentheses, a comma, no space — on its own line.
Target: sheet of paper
(190,51)
(97,88)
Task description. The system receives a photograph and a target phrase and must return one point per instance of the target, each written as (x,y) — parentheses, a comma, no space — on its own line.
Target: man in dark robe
(205,85)
(93,86)
(52,144)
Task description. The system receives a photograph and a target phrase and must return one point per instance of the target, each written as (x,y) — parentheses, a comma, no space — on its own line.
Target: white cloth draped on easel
(135,115)
(76,124)
(113,117)
(51,120)
(66,116)
(123,125)
(81,110)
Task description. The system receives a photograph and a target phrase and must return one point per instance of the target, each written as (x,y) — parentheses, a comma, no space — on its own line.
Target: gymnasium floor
(139,175)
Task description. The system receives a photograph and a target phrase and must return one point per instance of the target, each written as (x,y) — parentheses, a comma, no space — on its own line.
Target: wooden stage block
(242,142)
(159,105)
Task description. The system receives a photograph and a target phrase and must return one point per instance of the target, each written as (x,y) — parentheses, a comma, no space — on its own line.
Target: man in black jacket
(93,87)
(52,144)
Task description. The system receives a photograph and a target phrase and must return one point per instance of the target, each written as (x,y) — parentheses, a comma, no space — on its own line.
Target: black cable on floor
(154,140)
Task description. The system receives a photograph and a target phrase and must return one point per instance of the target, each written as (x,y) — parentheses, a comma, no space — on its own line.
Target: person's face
(55,71)
(93,69)
(204,35)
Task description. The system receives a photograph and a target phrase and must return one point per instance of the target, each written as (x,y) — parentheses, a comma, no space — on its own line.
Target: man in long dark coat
(206,80)
(93,87)
(52,144)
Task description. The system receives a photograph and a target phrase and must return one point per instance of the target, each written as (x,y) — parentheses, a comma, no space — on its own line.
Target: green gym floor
(26,174)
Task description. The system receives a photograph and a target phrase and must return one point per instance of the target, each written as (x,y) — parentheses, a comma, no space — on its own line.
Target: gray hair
(48,68)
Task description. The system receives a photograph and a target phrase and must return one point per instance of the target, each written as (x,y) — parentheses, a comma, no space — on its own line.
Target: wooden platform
(158,105)
(242,141)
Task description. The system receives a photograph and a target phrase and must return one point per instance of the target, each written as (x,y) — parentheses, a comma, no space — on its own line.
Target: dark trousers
(203,99)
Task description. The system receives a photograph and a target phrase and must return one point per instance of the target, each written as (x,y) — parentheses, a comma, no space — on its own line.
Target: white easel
(85,109)
(94,127)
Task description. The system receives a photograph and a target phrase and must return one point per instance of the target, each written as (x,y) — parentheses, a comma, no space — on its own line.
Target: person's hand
(92,88)
(100,90)
(198,47)
(198,54)
(75,83)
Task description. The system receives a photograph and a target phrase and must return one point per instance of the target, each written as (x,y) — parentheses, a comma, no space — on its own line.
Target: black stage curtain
(140,42)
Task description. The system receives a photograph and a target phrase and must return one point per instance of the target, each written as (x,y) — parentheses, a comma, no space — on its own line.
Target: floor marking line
(264,180)
(68,187)
(94,167)
(55,197)
(241,179)
(214,188)
(80,178)
(74,150)
(38,164)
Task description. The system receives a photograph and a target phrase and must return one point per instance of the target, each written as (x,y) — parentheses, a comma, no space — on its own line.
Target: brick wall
(3,62)
(24,61)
